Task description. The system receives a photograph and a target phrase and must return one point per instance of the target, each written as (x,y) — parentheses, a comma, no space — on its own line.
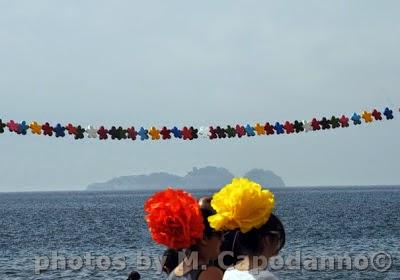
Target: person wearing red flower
(176,220)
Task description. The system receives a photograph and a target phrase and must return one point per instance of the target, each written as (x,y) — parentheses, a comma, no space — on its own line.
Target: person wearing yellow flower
(245,207)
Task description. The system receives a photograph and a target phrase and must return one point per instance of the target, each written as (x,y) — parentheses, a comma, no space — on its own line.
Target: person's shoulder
(264,275)
(212,273)
(234,274)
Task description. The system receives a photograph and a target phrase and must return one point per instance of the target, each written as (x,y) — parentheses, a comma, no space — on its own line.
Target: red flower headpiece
(174,218)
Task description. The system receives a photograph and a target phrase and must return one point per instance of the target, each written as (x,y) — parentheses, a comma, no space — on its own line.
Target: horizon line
(199,189)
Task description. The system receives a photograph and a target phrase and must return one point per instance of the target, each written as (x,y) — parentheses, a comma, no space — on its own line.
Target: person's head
(209,247)
(266,241)
(176,220)
(246,207)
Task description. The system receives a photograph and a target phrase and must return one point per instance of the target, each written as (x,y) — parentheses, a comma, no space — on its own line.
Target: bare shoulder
(211,273)
(179,270)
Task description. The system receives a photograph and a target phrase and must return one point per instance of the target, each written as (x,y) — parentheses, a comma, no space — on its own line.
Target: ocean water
(36,228)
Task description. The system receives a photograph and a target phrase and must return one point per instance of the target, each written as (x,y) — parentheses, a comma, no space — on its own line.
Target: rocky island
(209,177)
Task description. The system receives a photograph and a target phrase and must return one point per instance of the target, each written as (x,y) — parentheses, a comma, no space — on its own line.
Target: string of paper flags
(192,133)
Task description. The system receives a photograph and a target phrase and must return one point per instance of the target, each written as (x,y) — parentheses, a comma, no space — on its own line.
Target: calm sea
(107,229)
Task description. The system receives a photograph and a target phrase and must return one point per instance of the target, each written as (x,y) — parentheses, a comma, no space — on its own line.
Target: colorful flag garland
(191,133)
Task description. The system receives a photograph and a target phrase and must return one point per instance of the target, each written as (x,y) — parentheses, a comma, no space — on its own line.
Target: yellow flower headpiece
(242,204)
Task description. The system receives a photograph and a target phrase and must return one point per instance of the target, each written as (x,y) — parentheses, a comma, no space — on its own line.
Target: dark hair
(134,276)
(208,231)
(171,260)
(252,242)
(229,245)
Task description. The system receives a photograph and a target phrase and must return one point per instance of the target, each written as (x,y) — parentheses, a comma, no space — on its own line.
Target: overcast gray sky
(198,63)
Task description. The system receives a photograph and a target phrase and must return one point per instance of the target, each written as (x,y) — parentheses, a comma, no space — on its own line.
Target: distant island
(209,177)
